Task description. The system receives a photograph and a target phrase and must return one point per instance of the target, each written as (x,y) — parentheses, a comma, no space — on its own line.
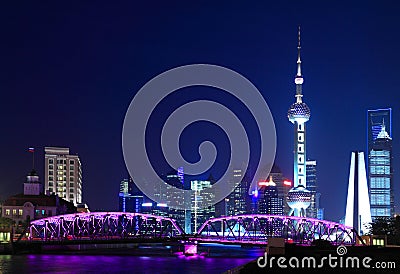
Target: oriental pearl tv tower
(299,198)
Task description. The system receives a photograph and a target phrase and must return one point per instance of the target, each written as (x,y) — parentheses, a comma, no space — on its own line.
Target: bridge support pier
(190,248)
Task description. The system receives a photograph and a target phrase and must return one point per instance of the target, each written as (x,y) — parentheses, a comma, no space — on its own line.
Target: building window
(20,211)
(51,167)
(71,162)
(51,184)
(71,196)
(300,127)
(51,190)
(71,173)
(7,212)
(51,178)
(71,167)
(50,172)
(14,212)
(51,161)
(71,190)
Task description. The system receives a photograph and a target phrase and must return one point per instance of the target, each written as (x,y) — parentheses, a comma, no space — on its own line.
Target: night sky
(70,70)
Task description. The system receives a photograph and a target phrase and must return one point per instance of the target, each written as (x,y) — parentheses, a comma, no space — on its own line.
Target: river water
(218,261)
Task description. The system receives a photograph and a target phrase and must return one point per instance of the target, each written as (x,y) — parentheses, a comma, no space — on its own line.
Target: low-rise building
(33,204)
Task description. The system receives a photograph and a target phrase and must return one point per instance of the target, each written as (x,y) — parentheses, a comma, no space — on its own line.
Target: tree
(387,226)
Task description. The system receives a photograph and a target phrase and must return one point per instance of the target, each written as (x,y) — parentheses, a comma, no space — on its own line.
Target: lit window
(20,211)
(43,212)
(7,212)
(14,212)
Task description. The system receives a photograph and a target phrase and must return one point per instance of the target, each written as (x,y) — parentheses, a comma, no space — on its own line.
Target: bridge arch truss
(258,228)
(103,225)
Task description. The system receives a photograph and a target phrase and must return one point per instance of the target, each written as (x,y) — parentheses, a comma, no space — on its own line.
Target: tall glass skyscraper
(311,178)
(380,162)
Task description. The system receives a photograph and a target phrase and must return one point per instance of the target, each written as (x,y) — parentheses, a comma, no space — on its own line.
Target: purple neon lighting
(280,217)
(101,215)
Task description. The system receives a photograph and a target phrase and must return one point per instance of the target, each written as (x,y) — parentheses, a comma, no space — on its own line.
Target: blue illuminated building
(130,197)
(380,162)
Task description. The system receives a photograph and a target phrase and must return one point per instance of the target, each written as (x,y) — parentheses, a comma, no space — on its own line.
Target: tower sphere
(299,112)
(299,197)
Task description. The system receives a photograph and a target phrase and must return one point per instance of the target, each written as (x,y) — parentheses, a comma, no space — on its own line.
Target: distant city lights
(287,183)
(147,204)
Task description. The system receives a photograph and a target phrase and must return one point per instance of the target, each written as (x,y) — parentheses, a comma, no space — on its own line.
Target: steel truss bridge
(103,226)
(258,228)
(254,229)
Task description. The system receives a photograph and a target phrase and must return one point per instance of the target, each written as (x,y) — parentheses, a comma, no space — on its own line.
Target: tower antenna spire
(298,55)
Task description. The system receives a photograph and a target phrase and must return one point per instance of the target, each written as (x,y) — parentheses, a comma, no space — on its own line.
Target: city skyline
(69,74)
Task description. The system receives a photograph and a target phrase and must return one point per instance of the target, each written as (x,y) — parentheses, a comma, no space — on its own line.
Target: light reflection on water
(83,263)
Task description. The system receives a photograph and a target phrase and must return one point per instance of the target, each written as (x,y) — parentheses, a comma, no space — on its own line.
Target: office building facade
(63,174)
(380,162)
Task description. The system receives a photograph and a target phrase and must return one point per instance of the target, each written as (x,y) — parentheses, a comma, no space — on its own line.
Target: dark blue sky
(70,70)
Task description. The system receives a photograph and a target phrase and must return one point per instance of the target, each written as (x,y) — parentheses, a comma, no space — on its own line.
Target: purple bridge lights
(252,229)
(103,226)
(257,229)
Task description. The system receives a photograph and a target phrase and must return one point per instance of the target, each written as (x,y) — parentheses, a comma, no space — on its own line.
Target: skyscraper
(358,213)
(237,200)
(130,197)
(269,201)
(282,185)
(311,178)
(199,213)
(381,175)
(299,113)
(63,174)
(380,162)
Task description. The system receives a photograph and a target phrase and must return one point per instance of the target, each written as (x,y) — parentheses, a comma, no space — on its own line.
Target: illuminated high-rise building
(269,201)
(311,179)
(63,174)
(380,162)
(238,200)
(299,113)
(130,197)
(200,213)
(358,213)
